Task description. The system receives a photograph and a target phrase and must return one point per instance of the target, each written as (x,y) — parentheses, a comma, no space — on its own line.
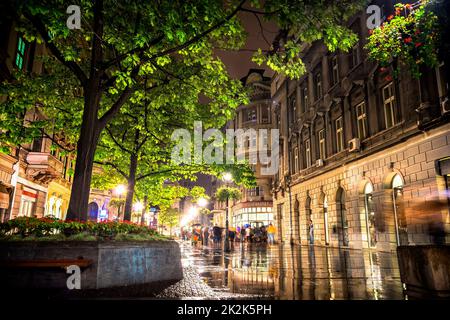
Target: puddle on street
(297,273)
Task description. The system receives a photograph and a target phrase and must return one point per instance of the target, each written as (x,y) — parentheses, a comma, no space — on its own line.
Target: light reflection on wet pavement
(296,273)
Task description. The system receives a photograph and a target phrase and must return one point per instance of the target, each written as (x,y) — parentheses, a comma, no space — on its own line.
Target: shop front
(58,196)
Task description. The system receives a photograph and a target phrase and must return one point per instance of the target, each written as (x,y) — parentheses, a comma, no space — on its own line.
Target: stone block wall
(414,160)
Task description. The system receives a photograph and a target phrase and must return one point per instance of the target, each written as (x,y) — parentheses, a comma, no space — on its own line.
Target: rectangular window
(292,110)
(355,56)
(265,114)
(26,208)
(339,134)
(318,85)
(296,160)
(253,141)
(308,153)
(20,54)
(251,115)
(304,104)
(389,105)
(334,70)
(37,145)
(69,171)
(322,150)
(361,120)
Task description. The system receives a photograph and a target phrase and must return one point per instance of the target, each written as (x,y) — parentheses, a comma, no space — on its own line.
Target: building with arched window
(255,119)
(365,154)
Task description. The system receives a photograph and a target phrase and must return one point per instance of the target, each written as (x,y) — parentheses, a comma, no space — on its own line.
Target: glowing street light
(120,189)
(202,202)
(138,206)
(227,177)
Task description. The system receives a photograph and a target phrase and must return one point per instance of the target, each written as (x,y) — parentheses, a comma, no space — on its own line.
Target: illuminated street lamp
(202,202)
(138,206)
(119,190)
(227,178)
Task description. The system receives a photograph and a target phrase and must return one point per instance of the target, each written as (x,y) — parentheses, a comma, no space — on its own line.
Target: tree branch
(117,142)
(55,141)
(201,35)
(72,65)
(108,115)
(113,165)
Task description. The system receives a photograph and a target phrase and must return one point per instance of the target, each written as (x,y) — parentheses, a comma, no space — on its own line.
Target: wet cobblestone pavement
(276,272)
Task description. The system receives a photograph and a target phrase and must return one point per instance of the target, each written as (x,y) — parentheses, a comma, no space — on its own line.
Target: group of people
(247,233)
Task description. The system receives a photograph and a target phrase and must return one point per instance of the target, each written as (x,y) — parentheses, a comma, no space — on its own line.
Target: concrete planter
(425,270)
(115,264)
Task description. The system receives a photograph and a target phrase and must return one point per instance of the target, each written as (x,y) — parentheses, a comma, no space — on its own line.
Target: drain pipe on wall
(288,180)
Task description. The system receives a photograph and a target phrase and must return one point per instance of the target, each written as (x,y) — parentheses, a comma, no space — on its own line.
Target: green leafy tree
(225,193)
(117,56)
(409,37)
(169,217)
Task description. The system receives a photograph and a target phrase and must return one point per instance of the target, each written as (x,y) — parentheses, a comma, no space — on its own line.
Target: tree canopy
(132,54)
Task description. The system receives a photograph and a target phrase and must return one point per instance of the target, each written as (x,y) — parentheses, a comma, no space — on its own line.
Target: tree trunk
(144,209)
(86,145)
(131,184)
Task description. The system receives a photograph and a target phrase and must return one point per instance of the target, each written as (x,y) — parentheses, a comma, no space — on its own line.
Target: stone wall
(115,264)
(414,160)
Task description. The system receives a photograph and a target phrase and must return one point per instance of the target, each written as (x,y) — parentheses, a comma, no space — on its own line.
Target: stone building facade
(36,177)
(255,205)
(361,151)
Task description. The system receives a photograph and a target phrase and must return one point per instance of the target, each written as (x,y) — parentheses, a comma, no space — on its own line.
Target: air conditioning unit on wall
(354,145)
(445,106)
(319,163)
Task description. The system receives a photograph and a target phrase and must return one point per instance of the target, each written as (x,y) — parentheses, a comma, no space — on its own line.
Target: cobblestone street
(299,273)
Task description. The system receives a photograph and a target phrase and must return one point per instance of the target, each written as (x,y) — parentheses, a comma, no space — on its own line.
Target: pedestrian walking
(242,234)
(271,230)
(205,236)
(311,232)
(217,233)
(248,234)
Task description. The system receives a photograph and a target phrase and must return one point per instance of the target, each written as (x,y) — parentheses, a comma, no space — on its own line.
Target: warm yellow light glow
(227,177)
(202,202)
(120,189)
(189,217)
(138,206)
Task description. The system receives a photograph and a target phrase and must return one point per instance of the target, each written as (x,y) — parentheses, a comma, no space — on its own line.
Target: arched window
(401,231)
(342,215)
(297,218)
(308,216)
(325,218)
(370,215)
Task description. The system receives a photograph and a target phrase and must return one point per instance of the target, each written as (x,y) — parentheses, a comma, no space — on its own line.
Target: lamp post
(227,178)
(138,206)
(120,189)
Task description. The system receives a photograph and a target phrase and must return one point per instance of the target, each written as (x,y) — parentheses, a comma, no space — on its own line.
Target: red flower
(383,69)
(370,31)
(390,17)
(408,40)
(418,44)
(388,78)
(398,11)
(417,32)
(408,6)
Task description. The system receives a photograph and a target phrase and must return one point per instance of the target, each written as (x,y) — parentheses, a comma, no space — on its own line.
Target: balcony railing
(43,167)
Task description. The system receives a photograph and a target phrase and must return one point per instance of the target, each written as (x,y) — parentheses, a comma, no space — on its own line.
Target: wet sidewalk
(274,272)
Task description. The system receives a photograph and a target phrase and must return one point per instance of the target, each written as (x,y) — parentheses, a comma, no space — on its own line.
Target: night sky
(239,62)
